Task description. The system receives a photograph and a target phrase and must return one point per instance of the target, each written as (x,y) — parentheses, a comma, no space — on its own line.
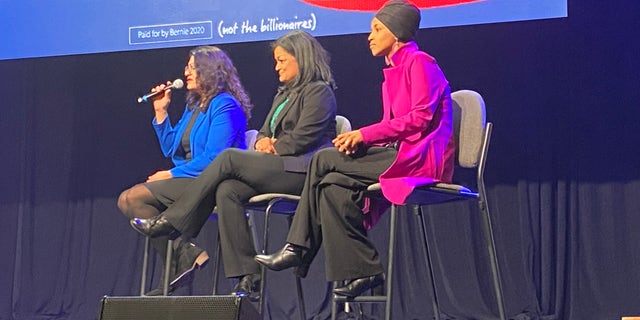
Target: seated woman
(413,139)
(215,118)
(301,121)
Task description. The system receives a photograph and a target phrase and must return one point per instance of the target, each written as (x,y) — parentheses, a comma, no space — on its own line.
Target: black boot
(188,258)
(248,286)
(357,286)
(289,256)
(154,227)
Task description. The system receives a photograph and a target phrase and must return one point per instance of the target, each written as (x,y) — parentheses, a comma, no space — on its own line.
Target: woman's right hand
(161,101)
(348,142)
(265,145)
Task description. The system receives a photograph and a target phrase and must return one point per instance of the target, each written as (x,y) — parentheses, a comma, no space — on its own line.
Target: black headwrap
(401,17)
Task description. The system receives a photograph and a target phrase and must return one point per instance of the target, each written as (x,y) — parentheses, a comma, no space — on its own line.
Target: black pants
(330,211)
(228,182)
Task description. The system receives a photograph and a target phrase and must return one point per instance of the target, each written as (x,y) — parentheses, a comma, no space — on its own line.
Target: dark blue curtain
(563,176)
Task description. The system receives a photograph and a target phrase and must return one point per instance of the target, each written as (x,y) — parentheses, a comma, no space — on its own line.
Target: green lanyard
(272,124)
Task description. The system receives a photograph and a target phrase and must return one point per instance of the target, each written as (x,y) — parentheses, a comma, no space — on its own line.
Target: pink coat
(417,112)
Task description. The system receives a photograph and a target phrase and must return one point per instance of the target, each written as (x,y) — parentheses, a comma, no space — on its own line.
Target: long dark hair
(216,74)
(313,60)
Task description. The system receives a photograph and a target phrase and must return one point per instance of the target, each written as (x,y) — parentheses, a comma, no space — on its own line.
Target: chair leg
(145,264)
(167,268)
(392,245)
(251,219)
(216,265)
(427,254)
(491,247)
(265,247)
(334,303)
(301,308)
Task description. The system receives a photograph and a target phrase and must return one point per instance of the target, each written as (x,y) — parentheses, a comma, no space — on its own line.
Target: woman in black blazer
(301,121)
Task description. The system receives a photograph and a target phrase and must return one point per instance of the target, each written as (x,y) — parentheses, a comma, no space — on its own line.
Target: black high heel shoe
(357,286)
(289,256)
(248,286)
(157,226)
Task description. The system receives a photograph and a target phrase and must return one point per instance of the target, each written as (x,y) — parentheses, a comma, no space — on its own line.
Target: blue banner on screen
(36,29)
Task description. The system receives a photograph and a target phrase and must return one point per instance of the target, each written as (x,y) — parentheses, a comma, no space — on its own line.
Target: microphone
(177,84)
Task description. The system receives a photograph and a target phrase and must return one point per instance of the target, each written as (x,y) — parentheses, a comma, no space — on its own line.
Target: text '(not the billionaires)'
(274,24)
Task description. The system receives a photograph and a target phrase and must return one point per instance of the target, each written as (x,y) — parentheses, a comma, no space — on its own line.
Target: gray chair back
(342,124)
(469,121)
(250,137)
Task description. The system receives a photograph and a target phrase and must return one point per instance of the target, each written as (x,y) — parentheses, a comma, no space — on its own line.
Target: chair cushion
(269,196)
(449,186)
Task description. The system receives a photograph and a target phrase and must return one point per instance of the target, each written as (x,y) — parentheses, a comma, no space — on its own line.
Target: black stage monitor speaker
(177,308)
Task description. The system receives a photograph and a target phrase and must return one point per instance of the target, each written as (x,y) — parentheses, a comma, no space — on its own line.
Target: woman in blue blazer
(214,119)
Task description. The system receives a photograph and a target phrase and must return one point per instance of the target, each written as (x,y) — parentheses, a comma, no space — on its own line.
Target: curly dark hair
(216,74)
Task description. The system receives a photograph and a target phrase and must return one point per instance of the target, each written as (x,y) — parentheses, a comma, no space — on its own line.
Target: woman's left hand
(348,142)
(160,175)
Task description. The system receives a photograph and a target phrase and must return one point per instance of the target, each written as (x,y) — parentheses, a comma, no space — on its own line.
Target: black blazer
(306,124)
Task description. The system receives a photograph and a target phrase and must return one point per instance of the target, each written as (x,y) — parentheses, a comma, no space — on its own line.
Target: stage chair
(472,134)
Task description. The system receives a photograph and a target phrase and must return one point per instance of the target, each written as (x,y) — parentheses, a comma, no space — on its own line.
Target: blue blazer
(223,125)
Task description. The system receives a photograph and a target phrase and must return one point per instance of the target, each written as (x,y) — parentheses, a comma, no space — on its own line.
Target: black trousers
(330,211)
(228,183)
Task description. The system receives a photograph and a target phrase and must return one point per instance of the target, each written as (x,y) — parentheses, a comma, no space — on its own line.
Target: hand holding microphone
(176,84)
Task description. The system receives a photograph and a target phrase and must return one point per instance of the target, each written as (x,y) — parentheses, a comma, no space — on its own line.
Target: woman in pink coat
(411,145)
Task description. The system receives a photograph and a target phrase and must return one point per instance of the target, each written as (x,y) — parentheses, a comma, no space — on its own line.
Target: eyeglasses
(189,68)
